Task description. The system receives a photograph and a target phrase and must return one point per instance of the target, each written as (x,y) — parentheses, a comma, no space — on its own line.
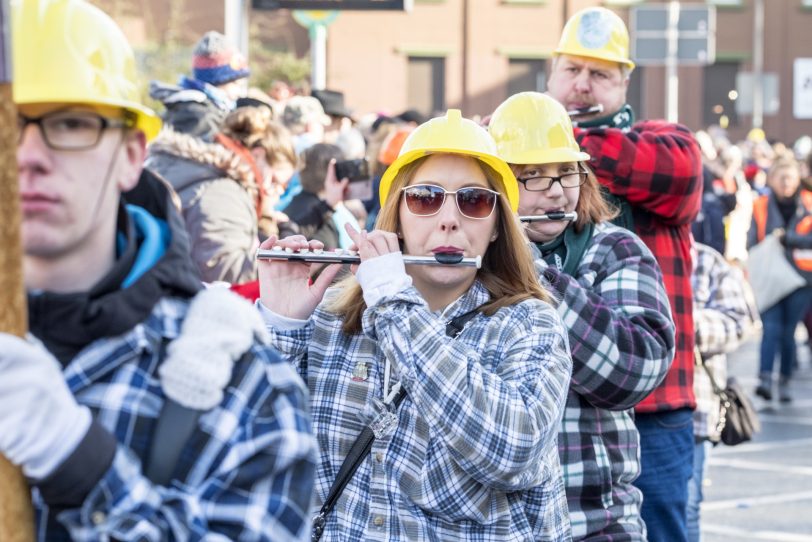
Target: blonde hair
(784,162)
(254,127)
(507,272)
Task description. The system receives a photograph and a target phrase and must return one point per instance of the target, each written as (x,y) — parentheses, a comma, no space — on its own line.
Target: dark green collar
(565,251)
(623,119)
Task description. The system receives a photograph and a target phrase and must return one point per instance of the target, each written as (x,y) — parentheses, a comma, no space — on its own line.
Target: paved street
(762,491)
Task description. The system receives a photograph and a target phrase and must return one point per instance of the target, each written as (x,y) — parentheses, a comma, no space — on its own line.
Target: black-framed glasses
(540,184)
(472,201)
(69,130)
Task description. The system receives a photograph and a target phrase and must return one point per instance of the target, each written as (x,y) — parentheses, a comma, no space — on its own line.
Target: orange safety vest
(801,256)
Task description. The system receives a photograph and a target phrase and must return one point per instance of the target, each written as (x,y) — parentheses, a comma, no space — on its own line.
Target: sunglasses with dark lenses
(472,201)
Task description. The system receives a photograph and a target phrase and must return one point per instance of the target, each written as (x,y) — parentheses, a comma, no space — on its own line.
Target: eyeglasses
(540,184)
(69,130)
(472,201)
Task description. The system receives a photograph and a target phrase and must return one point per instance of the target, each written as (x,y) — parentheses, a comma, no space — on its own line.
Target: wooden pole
(16,516)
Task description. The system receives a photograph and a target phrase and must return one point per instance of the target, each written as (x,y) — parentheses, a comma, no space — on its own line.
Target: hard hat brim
(147,121)
(587,54)
(546,156)
(509,189)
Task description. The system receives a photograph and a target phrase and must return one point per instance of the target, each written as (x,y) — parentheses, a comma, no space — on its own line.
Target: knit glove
(382,276)
(40,421)
(219,328)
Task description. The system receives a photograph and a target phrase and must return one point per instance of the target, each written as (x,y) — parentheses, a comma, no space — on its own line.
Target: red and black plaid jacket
(657,168)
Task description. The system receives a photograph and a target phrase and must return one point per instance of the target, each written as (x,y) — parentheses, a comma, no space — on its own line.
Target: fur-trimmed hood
(185,160)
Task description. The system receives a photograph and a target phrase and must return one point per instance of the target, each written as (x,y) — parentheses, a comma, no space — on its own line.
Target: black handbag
(738,420)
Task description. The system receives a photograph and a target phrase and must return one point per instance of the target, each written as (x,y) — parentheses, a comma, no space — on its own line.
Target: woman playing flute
(612,297)
(476,428)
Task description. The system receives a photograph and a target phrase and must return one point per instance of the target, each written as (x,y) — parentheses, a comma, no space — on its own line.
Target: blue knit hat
(217,61)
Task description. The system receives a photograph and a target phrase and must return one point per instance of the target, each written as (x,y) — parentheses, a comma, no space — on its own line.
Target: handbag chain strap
(720,392)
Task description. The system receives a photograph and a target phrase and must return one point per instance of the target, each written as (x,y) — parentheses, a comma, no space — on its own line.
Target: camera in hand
(357,171)
(354,170)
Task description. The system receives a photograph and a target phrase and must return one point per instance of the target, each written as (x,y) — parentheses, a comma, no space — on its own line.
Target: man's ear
(134,152)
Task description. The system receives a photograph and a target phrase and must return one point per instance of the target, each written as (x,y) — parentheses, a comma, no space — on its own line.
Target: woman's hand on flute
(374,243)
(381,272)
(285,287)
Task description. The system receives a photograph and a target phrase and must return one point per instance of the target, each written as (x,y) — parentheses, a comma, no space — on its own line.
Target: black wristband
(69,485)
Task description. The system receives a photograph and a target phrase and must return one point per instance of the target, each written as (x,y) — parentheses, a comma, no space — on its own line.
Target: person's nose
(449,215)
(32,151)
(582,82)
(556,190)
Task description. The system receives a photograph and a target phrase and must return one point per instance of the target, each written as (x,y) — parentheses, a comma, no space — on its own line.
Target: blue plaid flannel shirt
(475,432)
(246,473)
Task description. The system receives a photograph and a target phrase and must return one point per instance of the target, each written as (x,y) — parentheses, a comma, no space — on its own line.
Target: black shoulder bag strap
(363,444)
(173,428)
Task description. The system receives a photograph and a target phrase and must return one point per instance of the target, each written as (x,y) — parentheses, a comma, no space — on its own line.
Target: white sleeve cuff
(277,321)
(382,276)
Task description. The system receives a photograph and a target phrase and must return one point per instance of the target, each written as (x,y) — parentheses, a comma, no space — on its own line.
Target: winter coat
(249,460)
(217,190)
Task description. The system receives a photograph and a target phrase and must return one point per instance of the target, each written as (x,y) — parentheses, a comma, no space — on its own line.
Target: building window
(719,99)
(526,74)
(426,84)
(725,3)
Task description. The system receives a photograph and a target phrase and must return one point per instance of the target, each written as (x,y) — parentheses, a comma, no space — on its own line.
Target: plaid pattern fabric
(246,473)
(622,342)
(475,432)
(724,311)
(656,166)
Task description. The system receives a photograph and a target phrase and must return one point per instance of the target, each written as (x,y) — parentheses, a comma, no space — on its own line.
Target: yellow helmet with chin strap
(596,33)
(453,134)
(533,128)
(68,51)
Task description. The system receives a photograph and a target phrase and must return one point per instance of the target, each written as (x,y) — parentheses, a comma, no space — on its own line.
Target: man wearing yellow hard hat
(125,410)
(653,173)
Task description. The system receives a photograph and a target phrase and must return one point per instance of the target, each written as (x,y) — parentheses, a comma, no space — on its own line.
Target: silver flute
(351,257)
(551,217)
(581,111)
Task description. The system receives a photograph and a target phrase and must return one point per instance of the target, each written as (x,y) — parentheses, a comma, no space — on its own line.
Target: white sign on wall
(802,85)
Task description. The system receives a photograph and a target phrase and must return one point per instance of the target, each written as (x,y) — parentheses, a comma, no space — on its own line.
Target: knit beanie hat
(217,61)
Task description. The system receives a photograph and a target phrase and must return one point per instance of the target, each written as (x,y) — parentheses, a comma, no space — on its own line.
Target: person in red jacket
(652,171)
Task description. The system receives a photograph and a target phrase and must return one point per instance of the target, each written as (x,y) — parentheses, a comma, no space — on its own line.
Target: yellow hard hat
(756,135)
(455,135)
(533,128)
(68,51)
(596,33)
